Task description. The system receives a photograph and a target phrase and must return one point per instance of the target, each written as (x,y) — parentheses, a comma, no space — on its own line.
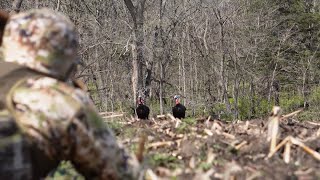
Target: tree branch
(16,5)
(131,9)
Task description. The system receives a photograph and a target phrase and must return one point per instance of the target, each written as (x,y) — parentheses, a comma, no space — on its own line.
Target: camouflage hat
(43,40)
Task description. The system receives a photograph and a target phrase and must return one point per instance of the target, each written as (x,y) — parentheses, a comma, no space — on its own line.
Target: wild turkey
(179,110)
(142,110)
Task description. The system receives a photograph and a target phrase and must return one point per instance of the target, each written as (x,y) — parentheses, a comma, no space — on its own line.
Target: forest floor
(205,148)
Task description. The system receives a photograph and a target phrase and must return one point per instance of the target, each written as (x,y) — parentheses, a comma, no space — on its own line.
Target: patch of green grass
(115,126)
(205,166)
(65,171)
(129,132)
(164,160)
(183,128)
(173,178)
(190,121)
(186,124)
(217,147)
(133,147)
(309,116)
(218,162)
(290,102)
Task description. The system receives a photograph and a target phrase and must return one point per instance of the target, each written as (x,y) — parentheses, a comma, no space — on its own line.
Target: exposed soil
(212,149)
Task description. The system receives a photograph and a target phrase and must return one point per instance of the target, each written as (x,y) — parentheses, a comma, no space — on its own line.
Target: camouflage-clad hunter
(59,121)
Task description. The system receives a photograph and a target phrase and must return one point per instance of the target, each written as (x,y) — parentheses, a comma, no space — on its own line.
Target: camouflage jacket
(62,122)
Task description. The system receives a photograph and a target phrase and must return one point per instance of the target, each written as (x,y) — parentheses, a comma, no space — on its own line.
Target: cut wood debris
(214,149)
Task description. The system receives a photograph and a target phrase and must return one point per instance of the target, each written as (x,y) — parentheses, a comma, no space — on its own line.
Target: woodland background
(230,59)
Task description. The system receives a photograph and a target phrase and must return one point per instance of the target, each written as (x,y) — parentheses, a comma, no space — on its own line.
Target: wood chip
(178,122)
(313,123)
(286,153)
(210,156)
(150,175)
(271,153)
(208,132)
(227,135)
(290,114)
(313,153)
(112,116)
(160,144)
(171,117)
(192,163)
(273,130)
(161,116)
(237,147)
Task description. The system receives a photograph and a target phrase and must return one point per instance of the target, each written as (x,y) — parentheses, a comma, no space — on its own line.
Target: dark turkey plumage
(179,110)
(143,111)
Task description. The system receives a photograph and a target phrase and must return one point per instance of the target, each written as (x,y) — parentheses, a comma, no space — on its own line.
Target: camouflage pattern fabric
(19,159)
(58,120)
(43,40)
(12,145)
(62,122)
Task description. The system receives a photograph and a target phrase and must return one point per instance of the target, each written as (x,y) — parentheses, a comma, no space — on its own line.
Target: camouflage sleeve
(62,122)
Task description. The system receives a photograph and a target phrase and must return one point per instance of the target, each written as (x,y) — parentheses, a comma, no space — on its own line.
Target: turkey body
(143,111)
(179,111)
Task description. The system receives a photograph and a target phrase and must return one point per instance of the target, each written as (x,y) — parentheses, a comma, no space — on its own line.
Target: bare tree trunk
(236,83)
(305,88)
(271,83)
(97,87)
(223,82)
(276,87)
(182,72)
(161,87)
(99,77)
(184,77)
(16,5)
(36,4)
(159,54)
(138,47)
(252,99)
(134,78)
(112,99)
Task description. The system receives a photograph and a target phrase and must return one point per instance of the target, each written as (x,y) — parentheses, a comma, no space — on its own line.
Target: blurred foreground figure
(47,120)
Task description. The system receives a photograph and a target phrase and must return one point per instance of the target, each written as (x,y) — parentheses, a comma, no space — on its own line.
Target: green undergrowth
(259,107)
(185,125)
(164,160)
(65,171)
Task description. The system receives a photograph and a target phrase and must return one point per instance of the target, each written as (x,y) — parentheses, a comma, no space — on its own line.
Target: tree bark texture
(138,48)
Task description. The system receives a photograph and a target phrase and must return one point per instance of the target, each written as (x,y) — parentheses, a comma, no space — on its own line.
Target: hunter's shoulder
(43,98)
(42,91)
(50,87)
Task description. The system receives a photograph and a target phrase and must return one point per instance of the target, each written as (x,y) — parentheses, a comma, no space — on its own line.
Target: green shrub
(263,107)
(220,109)
(115,126)
(315,97)
(244,108)
(190,121)
(313,112)
(291,103)
(183,128)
